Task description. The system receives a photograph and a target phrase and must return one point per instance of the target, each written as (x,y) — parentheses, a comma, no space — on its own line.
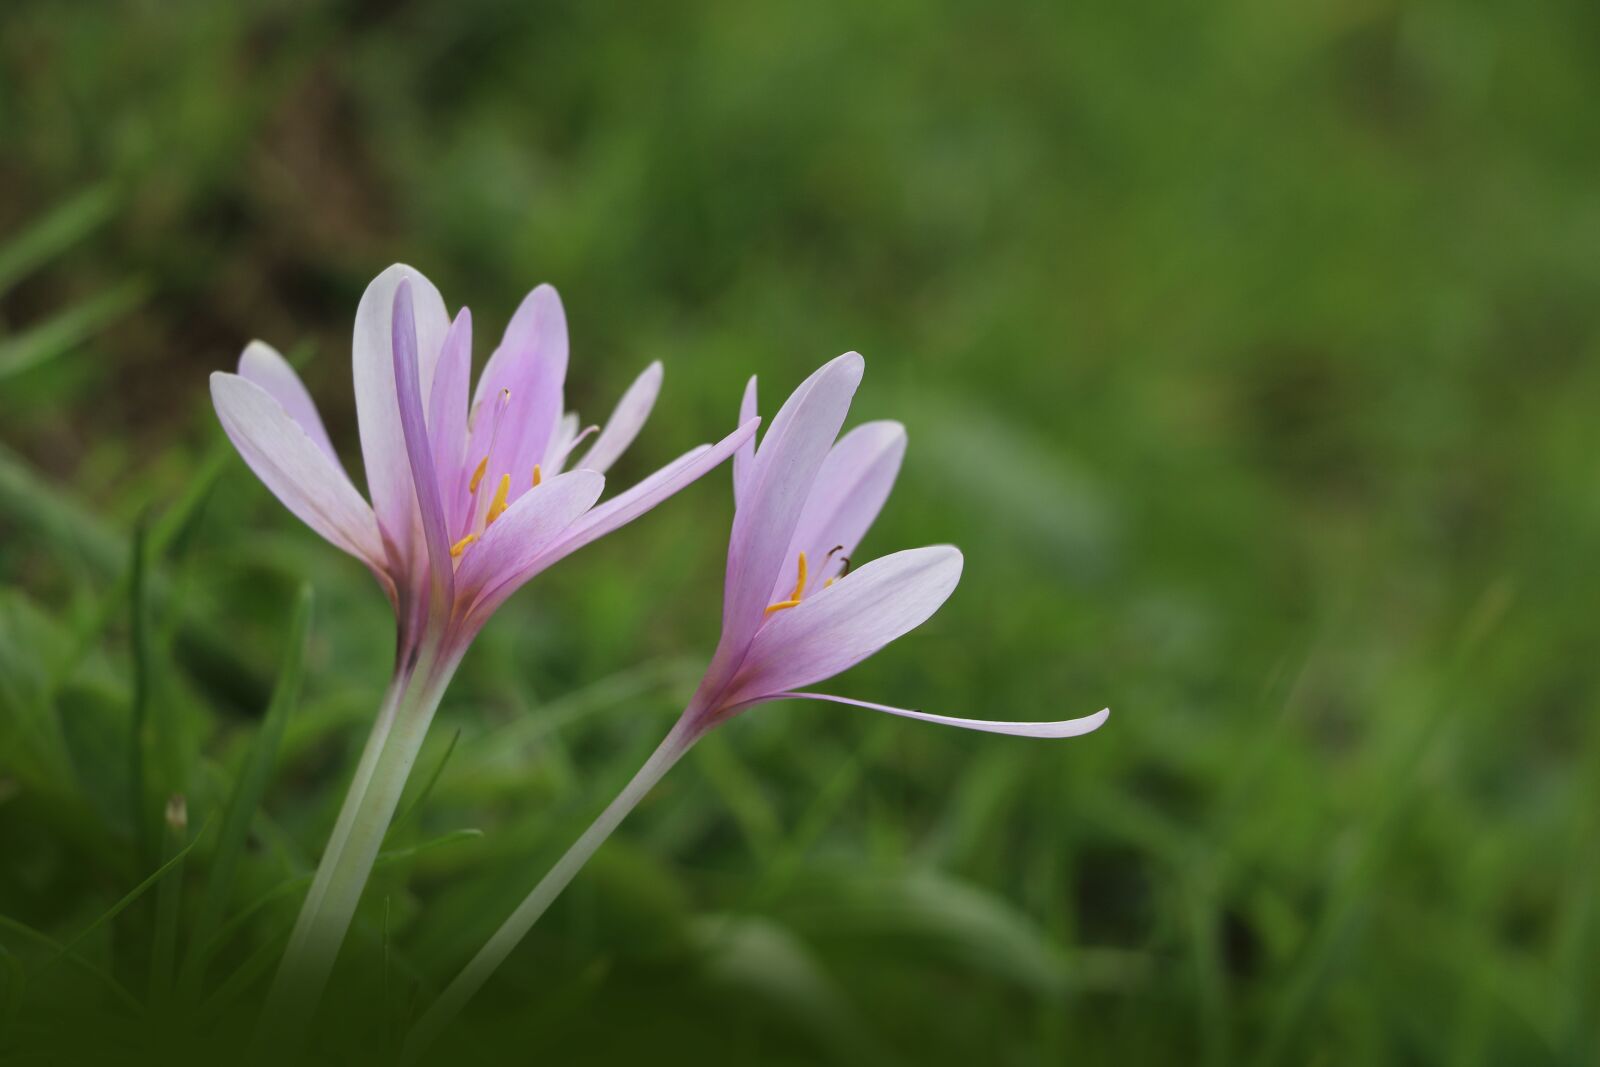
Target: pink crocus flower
(468,502)
(795,610)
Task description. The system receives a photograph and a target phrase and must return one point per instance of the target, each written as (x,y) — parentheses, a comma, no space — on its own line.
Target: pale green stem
(352,804)
(369,807)
(512,931)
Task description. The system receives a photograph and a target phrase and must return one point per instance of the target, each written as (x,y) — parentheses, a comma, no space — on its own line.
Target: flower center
(497,506)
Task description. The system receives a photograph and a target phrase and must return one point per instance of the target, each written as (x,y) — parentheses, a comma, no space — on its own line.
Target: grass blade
(67,329)
(251,786)
(139,629)
(168,896)
(133,894)
(61,951)
(395,855)
(87,546)
(55,233)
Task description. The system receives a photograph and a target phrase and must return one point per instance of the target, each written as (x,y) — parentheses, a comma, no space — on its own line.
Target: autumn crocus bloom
(798,608)
(468,503)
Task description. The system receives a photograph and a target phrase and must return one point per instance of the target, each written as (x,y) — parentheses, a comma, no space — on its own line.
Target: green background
(1250,351)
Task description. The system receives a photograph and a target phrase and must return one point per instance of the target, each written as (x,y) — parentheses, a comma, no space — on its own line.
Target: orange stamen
(538,476)
(461,546)
(499,505)
(794,597)
(477,475)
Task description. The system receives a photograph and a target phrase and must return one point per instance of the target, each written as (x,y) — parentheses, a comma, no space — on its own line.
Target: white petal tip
(257,349)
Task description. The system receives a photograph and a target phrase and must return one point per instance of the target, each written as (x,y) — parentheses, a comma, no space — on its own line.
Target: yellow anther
(499,505)
(799,590)
(477,475)
(538,476)
(829,582)
(461,546)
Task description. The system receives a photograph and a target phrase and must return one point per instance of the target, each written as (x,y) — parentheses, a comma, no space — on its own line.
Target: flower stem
(512,931)
(369,806)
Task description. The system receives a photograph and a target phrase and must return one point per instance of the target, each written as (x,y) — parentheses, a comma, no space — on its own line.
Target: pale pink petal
(447,416)
(626,421)
(418,447)
(521,389)
(261,363)
(849,492)
(629,505)
(509,552)
(1063,728)
(561,443)
(841,625)
(557,457)
(290,464)
(383,444)
(779,480)
(748,410)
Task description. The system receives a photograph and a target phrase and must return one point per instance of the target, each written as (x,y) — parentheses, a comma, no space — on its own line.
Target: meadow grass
(1250,352)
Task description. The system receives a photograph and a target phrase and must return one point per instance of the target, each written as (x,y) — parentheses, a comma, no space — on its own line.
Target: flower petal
(419,448)
(779,480)
(741,459)
(849,492)
(1063,728)
(447,416)
(509,552)
(383,444)
(629,505)
(561,443)
(262,364)
(290,464)
(626,421)
(841,625)
(521,389)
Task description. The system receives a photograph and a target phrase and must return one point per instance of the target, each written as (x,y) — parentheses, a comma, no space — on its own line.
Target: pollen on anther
(499,504)
(461,546)
(477,475)
(538,476)
(799,590)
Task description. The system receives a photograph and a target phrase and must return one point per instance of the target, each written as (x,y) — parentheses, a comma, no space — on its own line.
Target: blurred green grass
(1249,351)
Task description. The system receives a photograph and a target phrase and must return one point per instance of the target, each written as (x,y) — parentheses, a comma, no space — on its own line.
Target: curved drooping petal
(508,553)
(743,458)
(626,420)
(841,625)
(652,490)
(780,478)
(262,364)
(518,401)
(447,416)
(850,490)
(408,392)
(1063,728)
(289,463)
(383,445)
(561,443)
